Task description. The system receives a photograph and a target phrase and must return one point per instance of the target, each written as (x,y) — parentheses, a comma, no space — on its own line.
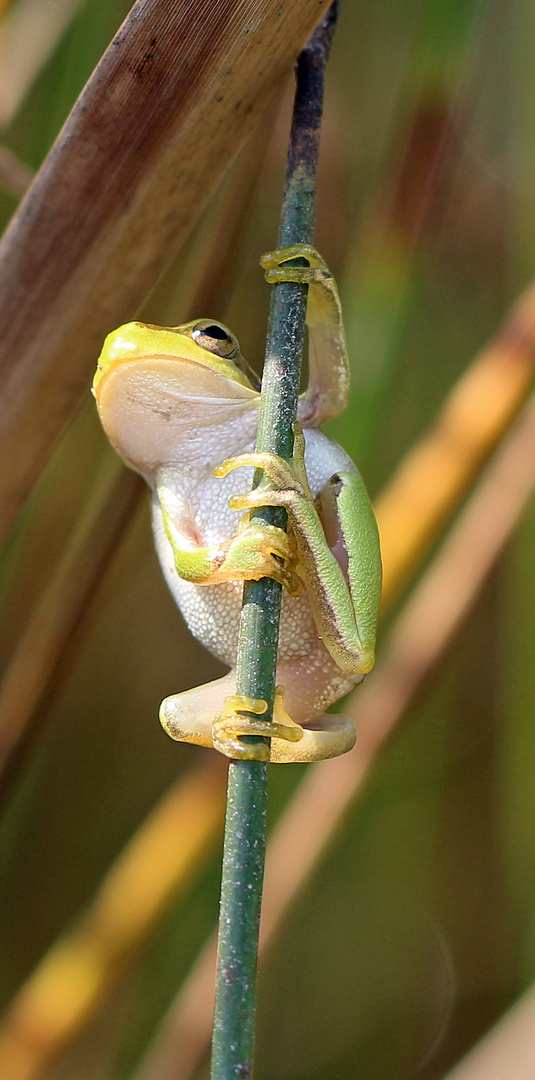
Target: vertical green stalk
(245,828)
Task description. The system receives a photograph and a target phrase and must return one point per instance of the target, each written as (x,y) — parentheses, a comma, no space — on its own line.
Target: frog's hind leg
(188,717)
(213,715)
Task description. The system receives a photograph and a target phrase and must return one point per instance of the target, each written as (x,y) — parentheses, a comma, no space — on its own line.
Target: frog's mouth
(140,344)
(159,382)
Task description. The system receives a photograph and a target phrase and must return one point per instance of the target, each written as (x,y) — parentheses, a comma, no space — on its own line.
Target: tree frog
(180,405)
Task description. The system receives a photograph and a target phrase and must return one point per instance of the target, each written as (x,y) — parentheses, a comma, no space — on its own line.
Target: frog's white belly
(212,612)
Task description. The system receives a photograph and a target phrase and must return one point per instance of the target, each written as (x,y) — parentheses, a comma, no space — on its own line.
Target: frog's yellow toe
(233,723)
(333,735)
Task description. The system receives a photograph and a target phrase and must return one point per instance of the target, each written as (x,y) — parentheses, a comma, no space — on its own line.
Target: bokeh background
(416,928)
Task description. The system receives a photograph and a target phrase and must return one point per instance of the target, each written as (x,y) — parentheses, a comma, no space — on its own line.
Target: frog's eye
(216,339)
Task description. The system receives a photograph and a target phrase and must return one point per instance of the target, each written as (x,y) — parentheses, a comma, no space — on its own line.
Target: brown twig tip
(308,104)
(318,46)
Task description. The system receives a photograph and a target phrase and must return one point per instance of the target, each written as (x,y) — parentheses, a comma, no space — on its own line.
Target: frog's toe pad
(230,725)
(330,737)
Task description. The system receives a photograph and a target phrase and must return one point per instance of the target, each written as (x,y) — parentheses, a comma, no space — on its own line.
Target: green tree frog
(180,405)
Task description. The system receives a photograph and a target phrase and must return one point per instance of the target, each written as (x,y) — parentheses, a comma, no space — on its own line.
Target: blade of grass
(245,826)
(433,476)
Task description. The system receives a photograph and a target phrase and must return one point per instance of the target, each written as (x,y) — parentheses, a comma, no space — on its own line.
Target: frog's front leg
(256,550)
(189,717)
(345,598)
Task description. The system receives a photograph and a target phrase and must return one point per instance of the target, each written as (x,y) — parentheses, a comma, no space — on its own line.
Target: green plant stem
(245,828)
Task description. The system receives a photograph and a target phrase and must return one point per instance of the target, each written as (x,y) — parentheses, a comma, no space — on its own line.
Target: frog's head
(162,392)
(201,357)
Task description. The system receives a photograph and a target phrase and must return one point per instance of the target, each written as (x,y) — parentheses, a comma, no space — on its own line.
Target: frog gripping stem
(245,827)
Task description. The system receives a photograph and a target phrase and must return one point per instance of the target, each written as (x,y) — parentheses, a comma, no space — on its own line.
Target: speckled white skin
(199,507)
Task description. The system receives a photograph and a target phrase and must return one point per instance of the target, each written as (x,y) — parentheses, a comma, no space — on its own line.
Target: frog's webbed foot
(290,743)
(233,722)
(261,550)
(183,717)
(188,717)
(316,273)
(287,482)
